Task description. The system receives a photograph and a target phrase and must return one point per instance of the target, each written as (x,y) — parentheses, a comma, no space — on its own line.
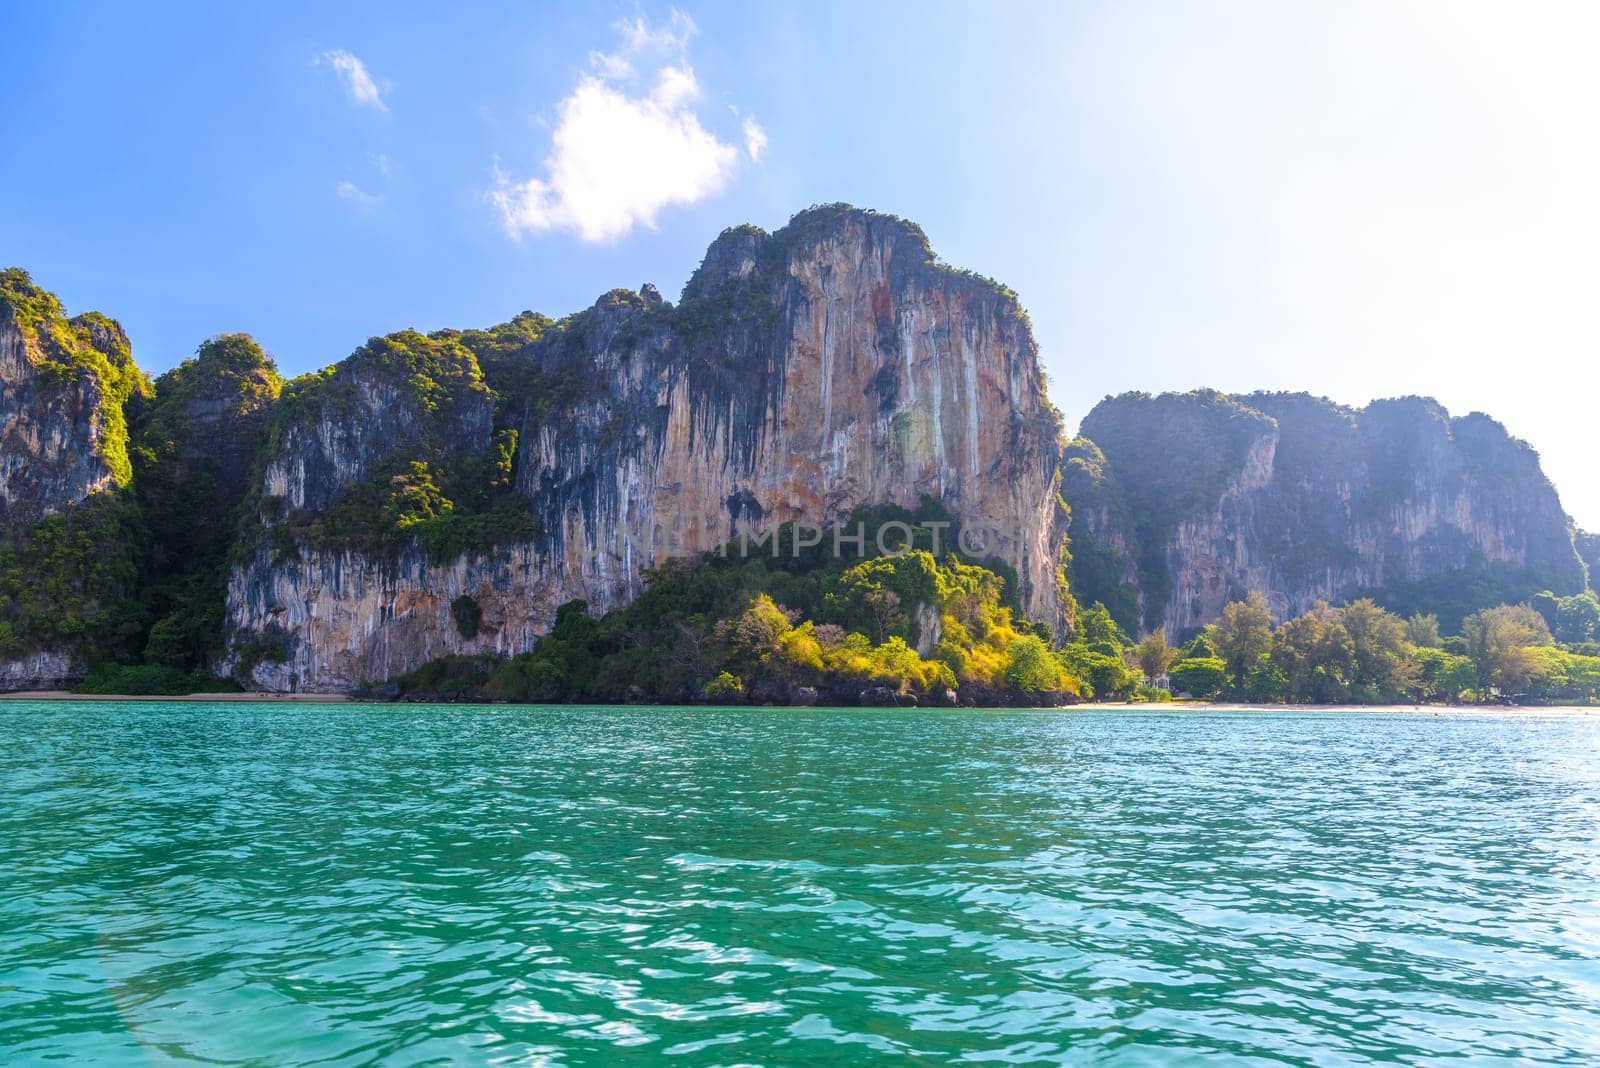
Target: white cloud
(755,139)
(356,195)
(363,89)
(628,142)
(641,41)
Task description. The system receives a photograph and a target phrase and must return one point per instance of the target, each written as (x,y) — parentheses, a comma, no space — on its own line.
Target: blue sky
(1356,200)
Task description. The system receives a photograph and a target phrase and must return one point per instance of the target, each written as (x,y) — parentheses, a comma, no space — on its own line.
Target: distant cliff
(1184,502)
(832,364)
(1589,548)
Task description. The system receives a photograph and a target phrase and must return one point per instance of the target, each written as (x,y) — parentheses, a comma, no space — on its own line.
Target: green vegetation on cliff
(1097,571)
(67,579)
(88,346)
(135,578)
(820,221)
(195,446)
(763,628)
(1455,595)
(1588,546)
(445,481)
(404,503)
(67,583)
(433,377)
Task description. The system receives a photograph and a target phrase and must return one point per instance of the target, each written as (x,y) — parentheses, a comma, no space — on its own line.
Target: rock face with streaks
(1589,549)
(830,365)
(1184,502)
(63,440)
(63,383)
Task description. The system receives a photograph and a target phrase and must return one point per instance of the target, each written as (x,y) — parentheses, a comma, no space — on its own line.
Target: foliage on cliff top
(1174,453)
(1497,457)
(214,405)
(773,251)
(1386,454)
(435,370)
(228,369)
(911,241)
(433,373)
(65,349)
(509,364)
(437,491)
(452,495)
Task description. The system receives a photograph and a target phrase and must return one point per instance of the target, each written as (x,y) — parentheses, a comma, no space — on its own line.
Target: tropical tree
(1383,655)
(1095,626)
(1201,676)
(1423,631)
(1031,667)
(1501,642)
(1578,618)
(1242,635)
(1317,656)
(1445,676)
(1154,656)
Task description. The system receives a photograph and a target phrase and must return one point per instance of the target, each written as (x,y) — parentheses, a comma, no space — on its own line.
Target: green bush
(778,622)
(1201,677)
(150,680)
(69,580)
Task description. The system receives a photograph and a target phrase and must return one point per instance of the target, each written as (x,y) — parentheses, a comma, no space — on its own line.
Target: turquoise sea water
(349,885)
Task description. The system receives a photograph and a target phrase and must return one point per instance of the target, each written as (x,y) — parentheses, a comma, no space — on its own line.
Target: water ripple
(344,885)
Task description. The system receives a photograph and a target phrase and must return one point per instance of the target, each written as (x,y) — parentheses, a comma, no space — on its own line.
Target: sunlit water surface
(349,884)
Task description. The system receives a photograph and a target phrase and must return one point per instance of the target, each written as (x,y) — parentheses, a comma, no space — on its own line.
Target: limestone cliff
(63,455)
(63,383)
(1202,497)
(195,449)
(1589,549)
(832,364)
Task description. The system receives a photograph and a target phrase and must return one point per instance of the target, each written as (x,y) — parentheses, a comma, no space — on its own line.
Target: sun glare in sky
(1357,200)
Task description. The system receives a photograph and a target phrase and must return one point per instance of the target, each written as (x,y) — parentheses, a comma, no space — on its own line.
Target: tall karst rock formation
(832,364)
(63,383)
(63,439)
(1183,502)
